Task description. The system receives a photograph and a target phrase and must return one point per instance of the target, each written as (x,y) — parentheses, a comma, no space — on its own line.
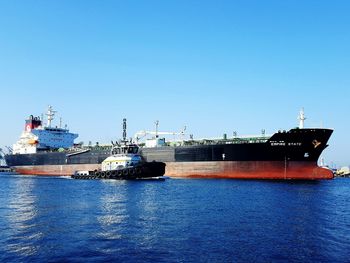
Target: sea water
(59,219)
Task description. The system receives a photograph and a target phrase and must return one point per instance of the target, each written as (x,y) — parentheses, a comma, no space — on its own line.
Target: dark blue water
(58,219)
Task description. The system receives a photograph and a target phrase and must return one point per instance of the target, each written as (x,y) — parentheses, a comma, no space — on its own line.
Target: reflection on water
(20,220)
(128,213)
(112,213)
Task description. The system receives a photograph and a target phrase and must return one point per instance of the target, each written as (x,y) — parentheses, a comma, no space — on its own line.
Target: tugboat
(124,163)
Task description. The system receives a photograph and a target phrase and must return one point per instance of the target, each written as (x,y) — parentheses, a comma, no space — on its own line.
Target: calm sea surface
(59,219)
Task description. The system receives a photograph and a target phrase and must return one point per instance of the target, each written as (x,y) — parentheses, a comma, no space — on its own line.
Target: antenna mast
(124,130)
(50,114)
(301,118)
(156,123)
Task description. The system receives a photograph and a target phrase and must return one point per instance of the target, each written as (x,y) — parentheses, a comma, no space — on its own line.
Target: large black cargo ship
(289,154)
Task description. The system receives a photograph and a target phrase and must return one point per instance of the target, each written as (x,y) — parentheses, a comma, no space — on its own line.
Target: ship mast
(124,131)
(301,118)
(157,124)
(50,114)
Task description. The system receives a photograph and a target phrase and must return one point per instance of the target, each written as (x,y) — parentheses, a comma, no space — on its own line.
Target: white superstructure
(122,157)
(38,137)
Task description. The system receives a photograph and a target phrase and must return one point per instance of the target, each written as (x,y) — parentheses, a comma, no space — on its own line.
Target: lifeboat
(33,141)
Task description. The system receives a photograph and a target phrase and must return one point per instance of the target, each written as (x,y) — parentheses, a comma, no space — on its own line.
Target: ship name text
(281,143)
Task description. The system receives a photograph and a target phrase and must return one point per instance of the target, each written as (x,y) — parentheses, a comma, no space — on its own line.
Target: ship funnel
(32,123)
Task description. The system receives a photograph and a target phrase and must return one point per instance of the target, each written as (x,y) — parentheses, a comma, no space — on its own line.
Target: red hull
(228,169)
(249,170)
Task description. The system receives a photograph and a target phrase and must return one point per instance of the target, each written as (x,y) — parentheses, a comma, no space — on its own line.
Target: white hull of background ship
(292,154)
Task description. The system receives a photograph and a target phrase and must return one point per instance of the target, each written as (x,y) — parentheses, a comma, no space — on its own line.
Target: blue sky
(215,66)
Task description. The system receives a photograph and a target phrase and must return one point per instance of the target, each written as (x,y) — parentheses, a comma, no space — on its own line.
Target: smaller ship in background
(4,169)
(343,172)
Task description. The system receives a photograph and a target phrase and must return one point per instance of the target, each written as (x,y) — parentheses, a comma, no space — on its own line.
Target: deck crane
(141,134)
